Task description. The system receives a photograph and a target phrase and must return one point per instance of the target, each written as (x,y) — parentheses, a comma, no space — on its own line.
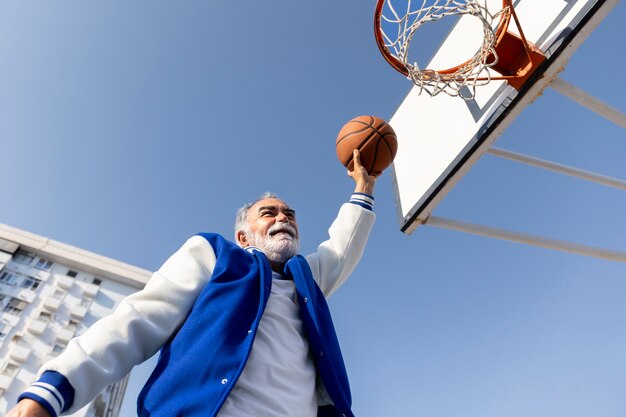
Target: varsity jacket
(186,310)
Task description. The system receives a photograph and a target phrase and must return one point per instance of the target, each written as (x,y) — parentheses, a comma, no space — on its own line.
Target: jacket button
(224,381)
(321,353)
(249,331)
(306,300)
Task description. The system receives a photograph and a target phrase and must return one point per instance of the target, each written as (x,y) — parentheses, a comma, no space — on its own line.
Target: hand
(28,408)
(364,181)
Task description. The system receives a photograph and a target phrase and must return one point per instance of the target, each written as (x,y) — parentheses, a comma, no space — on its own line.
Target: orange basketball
(375,140)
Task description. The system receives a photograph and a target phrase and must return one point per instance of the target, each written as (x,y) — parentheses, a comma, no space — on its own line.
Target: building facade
(51,292)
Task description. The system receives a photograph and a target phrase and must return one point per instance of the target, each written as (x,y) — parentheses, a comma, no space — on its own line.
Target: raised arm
(337,257)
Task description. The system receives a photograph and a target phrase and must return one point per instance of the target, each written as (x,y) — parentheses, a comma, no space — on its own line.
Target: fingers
(357,168)
(356,157)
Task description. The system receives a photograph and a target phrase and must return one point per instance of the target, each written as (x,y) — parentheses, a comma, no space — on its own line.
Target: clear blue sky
(127,126)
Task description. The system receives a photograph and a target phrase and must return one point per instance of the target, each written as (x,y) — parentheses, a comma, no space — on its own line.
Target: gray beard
(278,248)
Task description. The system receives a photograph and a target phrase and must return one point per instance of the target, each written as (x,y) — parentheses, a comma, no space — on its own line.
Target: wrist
(364,187)
(33,408)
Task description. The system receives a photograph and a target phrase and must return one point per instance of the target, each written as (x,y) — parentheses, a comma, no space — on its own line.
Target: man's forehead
(270,202)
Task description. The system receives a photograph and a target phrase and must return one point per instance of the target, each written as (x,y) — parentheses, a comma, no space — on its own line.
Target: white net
(399,21)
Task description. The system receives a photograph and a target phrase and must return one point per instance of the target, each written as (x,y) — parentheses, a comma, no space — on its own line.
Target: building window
(43,264)
(10,369)
(57,349)
(58,294)
(15,306)
(24,257)
(4,331)
(45,316)
(96,281)
(8,278)
(71,273)
(30,283)
(85,302)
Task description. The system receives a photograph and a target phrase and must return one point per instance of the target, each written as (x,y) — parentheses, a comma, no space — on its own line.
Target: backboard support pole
(586,100)
(559,168)
(533,240)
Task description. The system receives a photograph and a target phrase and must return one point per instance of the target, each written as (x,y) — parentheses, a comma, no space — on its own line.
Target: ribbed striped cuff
(363,200)
(52,391)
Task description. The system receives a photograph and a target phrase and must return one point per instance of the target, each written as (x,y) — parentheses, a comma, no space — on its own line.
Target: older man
(244,330)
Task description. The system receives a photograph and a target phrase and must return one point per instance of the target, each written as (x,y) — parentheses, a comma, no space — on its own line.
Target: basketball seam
(388,147)
(364,143)
(370,125)
(375,155)
(347,135)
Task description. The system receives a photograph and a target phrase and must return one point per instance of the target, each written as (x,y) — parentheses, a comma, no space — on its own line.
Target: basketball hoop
(512,56)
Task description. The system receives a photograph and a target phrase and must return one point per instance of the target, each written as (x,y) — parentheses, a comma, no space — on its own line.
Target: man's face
(272,227)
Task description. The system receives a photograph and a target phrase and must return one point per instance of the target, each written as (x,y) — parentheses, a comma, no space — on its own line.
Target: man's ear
(242,239)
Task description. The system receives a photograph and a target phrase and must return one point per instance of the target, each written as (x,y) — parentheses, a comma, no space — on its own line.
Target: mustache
(282,227)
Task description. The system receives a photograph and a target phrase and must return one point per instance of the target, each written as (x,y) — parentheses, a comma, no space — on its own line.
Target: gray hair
(241,218)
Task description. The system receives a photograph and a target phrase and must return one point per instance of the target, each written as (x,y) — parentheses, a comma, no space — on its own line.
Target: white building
(49,293)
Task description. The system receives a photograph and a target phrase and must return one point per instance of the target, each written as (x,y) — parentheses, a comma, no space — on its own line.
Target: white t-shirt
(279,377)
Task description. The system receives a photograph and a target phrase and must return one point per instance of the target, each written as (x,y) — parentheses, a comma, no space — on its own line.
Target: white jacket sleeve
(337,257)
(138,327)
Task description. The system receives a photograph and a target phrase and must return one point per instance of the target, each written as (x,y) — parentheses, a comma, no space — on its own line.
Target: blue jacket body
(200,364)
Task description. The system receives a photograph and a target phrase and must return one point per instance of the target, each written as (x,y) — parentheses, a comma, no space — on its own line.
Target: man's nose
(282,217)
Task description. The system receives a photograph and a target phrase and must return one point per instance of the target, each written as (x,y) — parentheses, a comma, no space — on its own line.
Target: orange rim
(501,30)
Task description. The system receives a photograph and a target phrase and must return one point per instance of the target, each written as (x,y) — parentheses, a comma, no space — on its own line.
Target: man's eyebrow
(275,208)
